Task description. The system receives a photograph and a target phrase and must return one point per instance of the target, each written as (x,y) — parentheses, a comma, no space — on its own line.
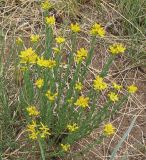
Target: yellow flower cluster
(113,96)
(65,147)
(72,127)
(99,84)
(109,129)
(81,55)
(75,27)
(116,86)
(34,38)
(28,56)
(50,21)
(32,111)
(97,29)
(31,128)
(132,89)
(44,130)
(51,96)
(46,63)
(60,40)
(46,5)
(39,82)
(117,48)
(36,131)
(78,86)
(82,102)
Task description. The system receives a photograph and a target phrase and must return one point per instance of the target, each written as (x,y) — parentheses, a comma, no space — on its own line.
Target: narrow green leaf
(123,139)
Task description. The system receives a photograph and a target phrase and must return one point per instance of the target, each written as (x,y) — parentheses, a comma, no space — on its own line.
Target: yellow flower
(37,130)
(39,83)
(113,96)
(97,29)
(19,41)
(46,63)
(117,48)
(28,56)
(75,27)
(33,133)
(46,5)
(42,62)
(82,102)
(44,130)
(51,63)
(132,89)
(65,147)
(34,38)
(72,127)
(60,40)
(56,50)
(99,84)
(50,20)
(32,126)
(116,86)
(81,55)
(78,86)
(109,129)
(51,96)
(32,111)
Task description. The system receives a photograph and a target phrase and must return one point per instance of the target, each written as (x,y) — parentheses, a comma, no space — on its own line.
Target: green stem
(70,90)
(63,82)
(106,67)
(91,52)
(49,42)
(89,58)
(42,150)
(62,110)
(70,58)
(29,91)
(94,95)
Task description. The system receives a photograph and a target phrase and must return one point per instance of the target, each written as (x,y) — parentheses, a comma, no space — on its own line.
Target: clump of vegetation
(57,108)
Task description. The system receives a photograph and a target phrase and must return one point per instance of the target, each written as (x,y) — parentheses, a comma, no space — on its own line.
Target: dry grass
(21,18)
